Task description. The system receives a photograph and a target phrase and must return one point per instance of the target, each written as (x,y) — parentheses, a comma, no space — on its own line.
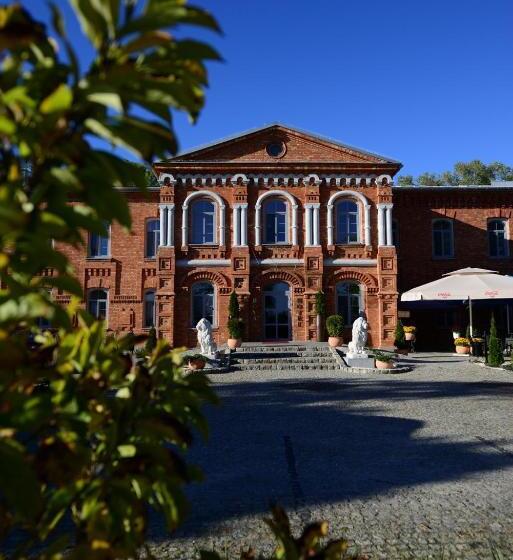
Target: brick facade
(311,176)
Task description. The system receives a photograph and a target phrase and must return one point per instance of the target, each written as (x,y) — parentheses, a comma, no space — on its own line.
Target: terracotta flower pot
(409,335)
(196,364)
(462,349)
(384,365)
(334,341)
(234,343)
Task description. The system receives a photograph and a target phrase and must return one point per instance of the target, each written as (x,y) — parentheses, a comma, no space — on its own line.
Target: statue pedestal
(362,361)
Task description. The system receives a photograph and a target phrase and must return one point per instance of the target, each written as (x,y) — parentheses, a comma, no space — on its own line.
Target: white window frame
(109,242)
(146,292)
(107,306)
(506,237)
(358,223)
(287,220)
(347,323)
(146,222)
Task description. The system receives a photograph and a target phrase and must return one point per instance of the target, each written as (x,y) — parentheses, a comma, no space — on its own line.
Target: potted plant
(335,328)
(195,361)
(235,324)
(383,360)
(409,332)
(400,342)
(462,345)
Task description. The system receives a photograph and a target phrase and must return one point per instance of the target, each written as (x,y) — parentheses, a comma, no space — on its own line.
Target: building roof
(182,155)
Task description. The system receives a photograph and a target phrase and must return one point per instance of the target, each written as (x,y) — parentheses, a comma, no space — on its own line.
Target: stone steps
(286,357)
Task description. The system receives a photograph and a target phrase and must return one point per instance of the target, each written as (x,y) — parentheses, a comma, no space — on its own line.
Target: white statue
(205,338)
(357,344)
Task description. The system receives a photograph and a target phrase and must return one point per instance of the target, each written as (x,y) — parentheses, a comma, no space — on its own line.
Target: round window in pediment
(276,149)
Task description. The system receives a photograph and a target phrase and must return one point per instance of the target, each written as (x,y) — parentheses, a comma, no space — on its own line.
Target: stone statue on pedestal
(359,340)
(205,339)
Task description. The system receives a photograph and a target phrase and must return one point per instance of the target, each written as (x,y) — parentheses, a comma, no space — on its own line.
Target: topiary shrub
(151,341)
(495,356)
(399,338)
(335,325)
(235,327)
(233,307)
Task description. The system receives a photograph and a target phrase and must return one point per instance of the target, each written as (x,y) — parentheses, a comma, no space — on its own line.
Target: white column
(308,225)
(235,224)
(390,241)
(381,225)
(243,225)
(315,209)
(367,230)
(162,213)
(170,241)
(294,224)
(184,225)
(257,224)
(221,225)
(330,224)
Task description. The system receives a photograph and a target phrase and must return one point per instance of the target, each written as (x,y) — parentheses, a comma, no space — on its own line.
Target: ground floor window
(349,301)
(149,309)
(277,311)
(202,302)
(97,303)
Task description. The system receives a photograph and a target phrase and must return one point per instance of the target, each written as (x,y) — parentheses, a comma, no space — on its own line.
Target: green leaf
(6,125)
(127,450)
(59,100)
(108,99)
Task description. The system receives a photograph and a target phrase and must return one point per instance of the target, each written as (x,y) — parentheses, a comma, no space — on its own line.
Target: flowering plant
(461,341)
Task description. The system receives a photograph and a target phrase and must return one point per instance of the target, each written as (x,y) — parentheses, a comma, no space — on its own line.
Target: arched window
(149,309)
(99,245)
(152,237)
(202,302)
(97,303)
(497,238)
(275,221)
(349,301)
(443,239)
(203,219)
(347,222)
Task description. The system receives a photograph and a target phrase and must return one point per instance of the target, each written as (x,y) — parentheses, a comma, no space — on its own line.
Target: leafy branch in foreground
(90,441)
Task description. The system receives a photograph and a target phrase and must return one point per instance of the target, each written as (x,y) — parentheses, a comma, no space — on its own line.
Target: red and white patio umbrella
(464,284)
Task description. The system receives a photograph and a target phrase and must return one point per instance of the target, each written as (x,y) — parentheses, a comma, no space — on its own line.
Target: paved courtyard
(417,465)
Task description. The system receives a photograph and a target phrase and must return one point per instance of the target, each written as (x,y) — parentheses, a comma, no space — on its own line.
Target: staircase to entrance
(284,357)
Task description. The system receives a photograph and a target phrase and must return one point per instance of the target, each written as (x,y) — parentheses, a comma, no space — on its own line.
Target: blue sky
(427,83)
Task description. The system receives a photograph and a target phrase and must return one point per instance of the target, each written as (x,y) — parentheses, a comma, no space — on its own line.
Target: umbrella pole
(470,317)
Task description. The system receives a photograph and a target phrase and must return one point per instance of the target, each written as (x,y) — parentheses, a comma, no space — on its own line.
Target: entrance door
(277,311)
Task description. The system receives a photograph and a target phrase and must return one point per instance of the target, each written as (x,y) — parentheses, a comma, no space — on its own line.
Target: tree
(87,435)
(474,172)
(495,356)
(320,310)
(235,324)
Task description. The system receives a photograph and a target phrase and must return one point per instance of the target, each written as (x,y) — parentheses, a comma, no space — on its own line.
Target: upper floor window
(497,238)
(149,309)
(203,219)
(347,226)
(99,245)
(349,301)
(443,239)
(202,302)
(97,303)
(275,221)
(395,233)
(152,237)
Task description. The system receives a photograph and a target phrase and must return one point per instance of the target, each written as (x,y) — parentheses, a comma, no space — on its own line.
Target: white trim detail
(385,238)
(366,214)
(240,225)
(283,262)
(203,262)
(185,215)
(312,233)
(350,262)
(258,212)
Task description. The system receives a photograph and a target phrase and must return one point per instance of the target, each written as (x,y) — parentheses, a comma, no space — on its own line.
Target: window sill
(106,258)
(502,258)
(199,245)
(287,244)
(443,258)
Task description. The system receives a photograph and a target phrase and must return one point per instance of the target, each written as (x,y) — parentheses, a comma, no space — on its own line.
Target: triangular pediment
(261,145)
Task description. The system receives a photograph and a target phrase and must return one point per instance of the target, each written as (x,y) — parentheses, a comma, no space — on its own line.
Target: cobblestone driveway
(418,465)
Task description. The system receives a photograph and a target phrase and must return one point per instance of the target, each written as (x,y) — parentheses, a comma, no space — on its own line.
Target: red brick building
(277,214)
